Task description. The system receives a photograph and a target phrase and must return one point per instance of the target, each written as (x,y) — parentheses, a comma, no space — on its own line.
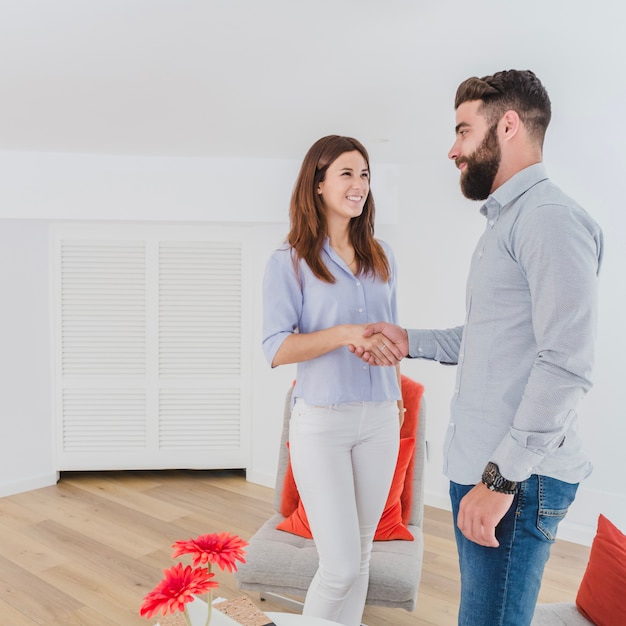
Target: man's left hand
(480,511)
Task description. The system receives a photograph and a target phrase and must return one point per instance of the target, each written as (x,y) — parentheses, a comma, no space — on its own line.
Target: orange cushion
(401,488)
(390,526)
(602,593)
(412,392)
(290,496)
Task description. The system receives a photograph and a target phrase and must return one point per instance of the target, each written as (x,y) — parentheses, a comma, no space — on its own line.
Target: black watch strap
(494,481)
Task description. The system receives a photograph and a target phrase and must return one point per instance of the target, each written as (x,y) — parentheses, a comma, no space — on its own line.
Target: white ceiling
(205,77)
(265,78)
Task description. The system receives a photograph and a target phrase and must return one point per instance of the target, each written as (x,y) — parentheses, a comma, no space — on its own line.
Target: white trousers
(343,458)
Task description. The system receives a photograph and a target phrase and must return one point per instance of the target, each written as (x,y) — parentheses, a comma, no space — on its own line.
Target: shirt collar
(332,254)
(513,188)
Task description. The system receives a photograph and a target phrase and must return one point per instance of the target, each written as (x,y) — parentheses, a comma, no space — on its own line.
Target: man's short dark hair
(517,90)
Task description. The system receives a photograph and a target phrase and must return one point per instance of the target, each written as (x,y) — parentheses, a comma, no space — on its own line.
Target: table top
(292,619)
(197,613)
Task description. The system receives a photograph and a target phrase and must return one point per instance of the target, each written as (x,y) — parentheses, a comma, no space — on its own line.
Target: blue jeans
(499,586)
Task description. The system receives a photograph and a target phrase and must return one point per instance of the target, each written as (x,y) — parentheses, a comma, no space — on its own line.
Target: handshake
(383,344)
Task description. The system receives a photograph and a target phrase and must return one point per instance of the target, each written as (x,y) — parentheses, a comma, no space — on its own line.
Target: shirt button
(491,222)
(360,310)
(358,284)
(365,367)
(420,349)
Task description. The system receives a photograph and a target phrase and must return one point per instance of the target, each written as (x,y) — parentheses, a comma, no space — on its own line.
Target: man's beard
(482,167)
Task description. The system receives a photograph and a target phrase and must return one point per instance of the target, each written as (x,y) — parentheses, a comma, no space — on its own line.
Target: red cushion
(390,526)
(412,392)
(602,593)
(401,488)
(290,496)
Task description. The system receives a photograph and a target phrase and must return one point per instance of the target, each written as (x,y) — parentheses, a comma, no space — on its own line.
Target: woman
(328,281)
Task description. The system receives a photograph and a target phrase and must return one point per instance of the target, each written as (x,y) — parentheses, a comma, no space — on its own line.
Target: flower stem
(186,616)
(209,611)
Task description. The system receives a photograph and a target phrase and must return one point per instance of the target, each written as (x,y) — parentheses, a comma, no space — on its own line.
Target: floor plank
(84,552)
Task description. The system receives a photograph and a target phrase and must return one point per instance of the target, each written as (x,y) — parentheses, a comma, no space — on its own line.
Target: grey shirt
(526,350)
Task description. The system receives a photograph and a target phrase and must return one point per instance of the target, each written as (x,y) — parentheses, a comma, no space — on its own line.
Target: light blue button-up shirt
(526,349)
(301,302)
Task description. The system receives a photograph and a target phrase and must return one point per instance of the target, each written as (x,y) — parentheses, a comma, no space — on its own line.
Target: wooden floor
(86,551)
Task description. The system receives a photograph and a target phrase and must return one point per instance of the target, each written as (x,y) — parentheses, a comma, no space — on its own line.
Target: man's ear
(510,124)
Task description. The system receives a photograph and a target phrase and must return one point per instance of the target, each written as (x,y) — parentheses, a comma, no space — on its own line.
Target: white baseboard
(259,478)
(28,484)
(437,500)
(576,533)
(581,522)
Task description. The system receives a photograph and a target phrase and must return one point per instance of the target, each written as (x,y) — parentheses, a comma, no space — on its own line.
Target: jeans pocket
(555,497)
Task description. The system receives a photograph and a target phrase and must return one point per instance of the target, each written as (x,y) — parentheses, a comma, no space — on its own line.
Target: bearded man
(525,352)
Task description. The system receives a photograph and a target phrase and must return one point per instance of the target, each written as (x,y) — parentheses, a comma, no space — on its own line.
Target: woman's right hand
(390,342)
(377,345)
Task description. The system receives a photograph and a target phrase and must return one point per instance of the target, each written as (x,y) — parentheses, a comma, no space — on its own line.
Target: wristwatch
(494,481)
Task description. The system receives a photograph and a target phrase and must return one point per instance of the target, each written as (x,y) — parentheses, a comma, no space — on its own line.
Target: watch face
(495,481)
(491,471)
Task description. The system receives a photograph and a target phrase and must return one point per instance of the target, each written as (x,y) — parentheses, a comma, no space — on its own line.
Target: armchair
(280,564)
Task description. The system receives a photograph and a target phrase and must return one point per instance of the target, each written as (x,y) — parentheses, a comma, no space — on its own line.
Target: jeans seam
(519,505)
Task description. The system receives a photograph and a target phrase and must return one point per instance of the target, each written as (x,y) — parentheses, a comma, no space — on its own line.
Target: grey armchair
(280,564)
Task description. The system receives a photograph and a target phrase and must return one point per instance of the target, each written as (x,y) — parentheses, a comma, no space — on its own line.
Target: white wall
(51,186)
(26,445)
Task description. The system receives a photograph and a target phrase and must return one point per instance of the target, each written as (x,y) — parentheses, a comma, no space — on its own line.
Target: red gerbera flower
(176,588)
(222,549)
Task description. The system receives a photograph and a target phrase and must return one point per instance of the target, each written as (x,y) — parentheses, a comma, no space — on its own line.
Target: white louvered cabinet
(151,346)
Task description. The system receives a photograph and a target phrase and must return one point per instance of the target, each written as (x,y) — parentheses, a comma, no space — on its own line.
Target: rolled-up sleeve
(282,302)
(437,345)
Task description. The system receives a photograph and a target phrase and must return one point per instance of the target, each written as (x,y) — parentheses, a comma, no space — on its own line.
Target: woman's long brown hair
(308,222)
